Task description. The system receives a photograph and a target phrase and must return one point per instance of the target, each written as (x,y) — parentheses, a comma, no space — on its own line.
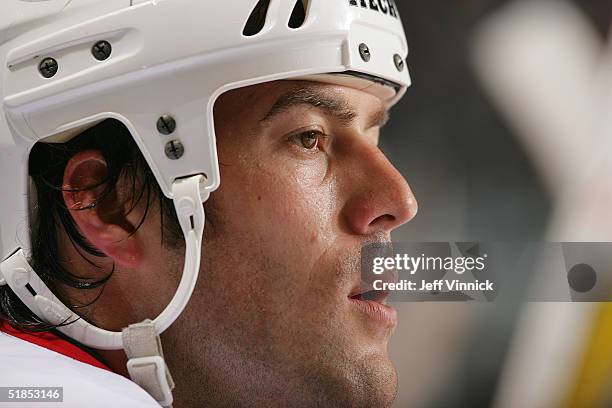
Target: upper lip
(365,291)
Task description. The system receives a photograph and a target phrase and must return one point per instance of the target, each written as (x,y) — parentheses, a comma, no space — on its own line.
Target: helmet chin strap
(141,341)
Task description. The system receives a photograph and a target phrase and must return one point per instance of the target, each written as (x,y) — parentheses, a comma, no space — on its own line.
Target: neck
(116,360)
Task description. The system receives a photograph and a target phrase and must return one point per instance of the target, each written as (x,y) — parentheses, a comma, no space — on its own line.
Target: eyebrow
(334,105)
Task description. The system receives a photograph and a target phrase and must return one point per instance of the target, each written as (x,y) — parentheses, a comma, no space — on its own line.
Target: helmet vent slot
(257,19)
(298,16)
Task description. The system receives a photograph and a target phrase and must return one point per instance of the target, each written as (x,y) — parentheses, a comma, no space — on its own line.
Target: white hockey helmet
(69,64)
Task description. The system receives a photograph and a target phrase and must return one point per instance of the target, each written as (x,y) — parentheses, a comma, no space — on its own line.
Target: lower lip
(385,315)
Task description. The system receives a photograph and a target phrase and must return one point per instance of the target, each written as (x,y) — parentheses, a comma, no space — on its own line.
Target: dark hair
(46,168)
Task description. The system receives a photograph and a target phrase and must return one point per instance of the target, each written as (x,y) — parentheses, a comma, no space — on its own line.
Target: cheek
(301,201)
(273,227)
(282,220)
(277,208)
(281,199)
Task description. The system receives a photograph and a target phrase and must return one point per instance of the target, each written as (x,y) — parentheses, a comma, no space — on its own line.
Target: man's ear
(100,219)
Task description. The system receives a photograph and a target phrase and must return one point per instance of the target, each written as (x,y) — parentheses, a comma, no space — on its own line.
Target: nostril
(383,219)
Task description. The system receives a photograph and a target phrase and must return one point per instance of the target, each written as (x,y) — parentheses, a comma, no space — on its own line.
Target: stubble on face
(269,323)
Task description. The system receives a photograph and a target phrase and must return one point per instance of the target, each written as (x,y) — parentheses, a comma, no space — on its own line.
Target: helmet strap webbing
(146,363)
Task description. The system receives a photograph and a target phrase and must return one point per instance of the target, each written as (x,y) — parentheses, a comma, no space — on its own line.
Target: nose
(381,198)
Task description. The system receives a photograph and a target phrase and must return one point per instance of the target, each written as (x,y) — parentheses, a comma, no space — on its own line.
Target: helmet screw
(166,124)
(48,67)
(101,50)
(364,51)
(399,62)
(174,149)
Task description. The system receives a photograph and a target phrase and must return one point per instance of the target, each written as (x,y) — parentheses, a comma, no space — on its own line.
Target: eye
(309,140)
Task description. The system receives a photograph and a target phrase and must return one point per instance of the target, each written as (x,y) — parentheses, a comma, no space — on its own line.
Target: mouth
(367,293)
(373,303)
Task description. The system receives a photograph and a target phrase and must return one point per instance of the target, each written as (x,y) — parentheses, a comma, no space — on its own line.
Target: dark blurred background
(477,179)
(470,175)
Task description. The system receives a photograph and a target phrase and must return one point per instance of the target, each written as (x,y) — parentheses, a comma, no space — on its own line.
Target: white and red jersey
(46,360)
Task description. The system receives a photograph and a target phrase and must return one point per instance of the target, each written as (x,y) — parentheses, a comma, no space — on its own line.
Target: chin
(370,382)
(379,386)
(359,370)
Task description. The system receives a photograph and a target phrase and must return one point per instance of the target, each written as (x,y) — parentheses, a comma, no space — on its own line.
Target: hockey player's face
(304,185)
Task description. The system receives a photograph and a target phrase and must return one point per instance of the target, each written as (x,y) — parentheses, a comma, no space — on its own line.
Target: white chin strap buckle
(146,363)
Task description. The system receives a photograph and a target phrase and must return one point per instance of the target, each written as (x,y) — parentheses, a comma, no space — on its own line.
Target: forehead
(257,100)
